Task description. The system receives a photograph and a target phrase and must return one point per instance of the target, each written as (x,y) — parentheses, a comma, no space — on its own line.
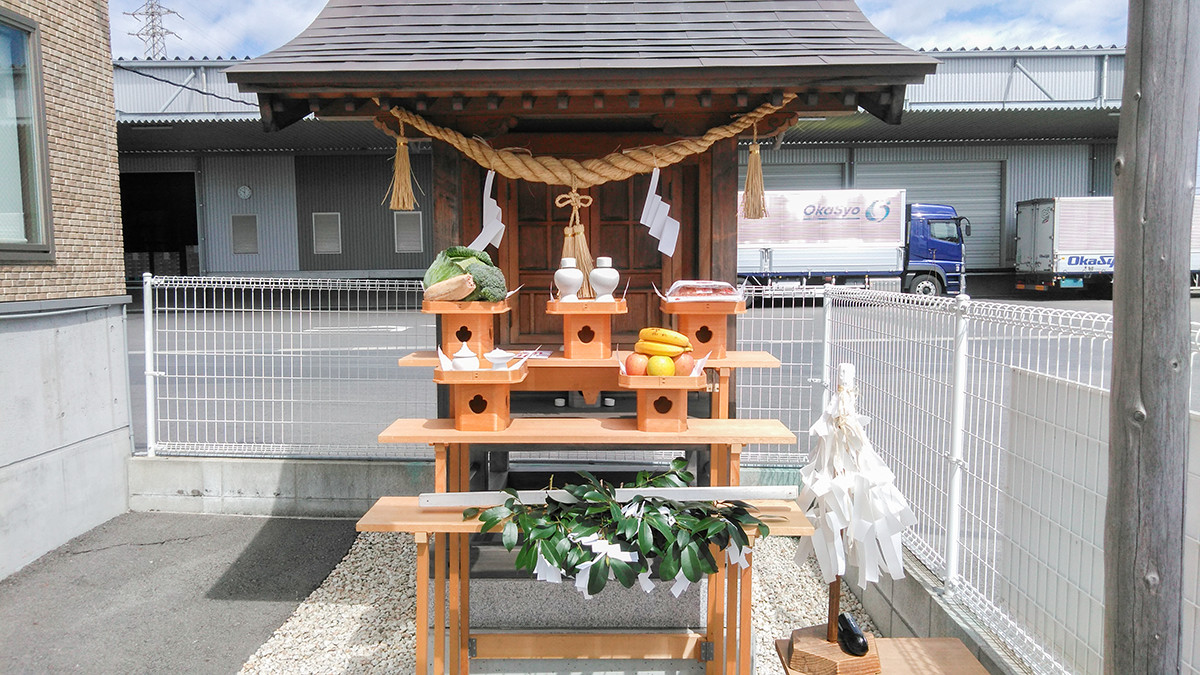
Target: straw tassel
(754,201)
(575,239)
(402,189)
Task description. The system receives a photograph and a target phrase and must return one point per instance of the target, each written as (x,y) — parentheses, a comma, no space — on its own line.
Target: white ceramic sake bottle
(568,279)
(604,279)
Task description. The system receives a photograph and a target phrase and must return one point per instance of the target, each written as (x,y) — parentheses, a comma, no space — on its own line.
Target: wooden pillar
(1154,190)
(447,196)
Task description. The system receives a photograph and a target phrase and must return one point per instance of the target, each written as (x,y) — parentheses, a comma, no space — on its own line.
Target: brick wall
(81,135)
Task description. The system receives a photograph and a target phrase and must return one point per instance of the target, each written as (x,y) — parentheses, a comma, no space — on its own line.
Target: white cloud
(942,24)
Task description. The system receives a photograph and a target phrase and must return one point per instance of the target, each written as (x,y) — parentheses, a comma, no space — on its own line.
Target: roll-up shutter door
(974,189)
(797,176)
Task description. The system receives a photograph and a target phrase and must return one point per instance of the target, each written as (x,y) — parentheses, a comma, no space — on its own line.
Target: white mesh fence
(791,330)
(262,367)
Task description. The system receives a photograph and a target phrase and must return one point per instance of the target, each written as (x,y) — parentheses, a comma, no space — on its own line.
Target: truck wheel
(925,284)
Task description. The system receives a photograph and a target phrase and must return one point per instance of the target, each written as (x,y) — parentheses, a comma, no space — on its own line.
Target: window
(327,233)
(24,184)
(407,226)
(245,233)
(946,230)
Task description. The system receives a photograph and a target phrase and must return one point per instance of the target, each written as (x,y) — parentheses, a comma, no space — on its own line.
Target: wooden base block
(661,410)
(707,333)
(812,654)
(587,336)
(481,407)
(908,656)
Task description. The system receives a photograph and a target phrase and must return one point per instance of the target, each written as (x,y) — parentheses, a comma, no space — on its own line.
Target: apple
(684,364)
(635,364)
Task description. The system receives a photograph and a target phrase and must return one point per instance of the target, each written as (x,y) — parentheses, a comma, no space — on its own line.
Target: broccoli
(489,282)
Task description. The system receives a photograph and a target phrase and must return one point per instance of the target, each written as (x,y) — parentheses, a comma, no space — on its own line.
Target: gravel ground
(360,620)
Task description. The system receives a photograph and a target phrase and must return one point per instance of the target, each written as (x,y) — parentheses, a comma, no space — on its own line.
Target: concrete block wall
(81,135)
(279,487)
(64,427)
(914,607)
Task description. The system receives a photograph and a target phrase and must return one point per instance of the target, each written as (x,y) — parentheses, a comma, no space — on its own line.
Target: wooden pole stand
(815,650)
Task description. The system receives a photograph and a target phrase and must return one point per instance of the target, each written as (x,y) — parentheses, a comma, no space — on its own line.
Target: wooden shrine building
(576,80)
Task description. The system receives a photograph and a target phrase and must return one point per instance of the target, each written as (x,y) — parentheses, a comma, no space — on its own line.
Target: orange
(661,366)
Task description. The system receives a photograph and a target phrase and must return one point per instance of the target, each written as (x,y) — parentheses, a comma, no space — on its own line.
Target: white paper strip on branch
(493,227)
(850,495)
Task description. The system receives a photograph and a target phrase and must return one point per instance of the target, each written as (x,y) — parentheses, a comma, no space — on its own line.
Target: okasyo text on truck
(866,238)
(1067,242)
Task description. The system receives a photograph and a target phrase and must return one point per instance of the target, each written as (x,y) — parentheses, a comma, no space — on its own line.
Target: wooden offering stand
(662,401)
(480,398)
(469,322)
(704,322)
(587,326)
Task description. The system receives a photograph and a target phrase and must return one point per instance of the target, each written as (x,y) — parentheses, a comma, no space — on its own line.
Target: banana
(659,349)
(665,335)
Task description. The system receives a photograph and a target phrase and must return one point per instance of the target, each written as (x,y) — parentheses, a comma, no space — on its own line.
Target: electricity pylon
(152,32)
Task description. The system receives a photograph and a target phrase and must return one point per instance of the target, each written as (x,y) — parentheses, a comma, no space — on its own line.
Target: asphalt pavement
(164,593)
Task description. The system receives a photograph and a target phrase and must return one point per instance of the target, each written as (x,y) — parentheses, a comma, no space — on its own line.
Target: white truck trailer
(1067,242)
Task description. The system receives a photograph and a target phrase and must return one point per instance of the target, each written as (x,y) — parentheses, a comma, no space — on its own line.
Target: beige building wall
(81,132)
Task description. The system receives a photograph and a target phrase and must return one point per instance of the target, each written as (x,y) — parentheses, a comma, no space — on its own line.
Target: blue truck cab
(935,262)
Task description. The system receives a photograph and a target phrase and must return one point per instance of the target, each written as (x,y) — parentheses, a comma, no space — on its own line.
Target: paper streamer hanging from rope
(656,216)
(493,227)
(850,496)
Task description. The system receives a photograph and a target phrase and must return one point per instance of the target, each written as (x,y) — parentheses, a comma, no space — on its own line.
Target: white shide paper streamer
(850,496)
(493,226)
(656,215)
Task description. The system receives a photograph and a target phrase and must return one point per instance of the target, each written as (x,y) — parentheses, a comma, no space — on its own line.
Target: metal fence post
(957,425)
(826,345)
(148,333)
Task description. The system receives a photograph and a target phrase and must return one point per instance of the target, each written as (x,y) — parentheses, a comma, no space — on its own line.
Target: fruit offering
(662,342)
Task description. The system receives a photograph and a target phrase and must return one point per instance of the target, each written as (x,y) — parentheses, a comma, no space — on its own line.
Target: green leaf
(682,538)
(496,513)
(510,535)
(645,537)
(526,558)
(598,576)
(687,476)
(707,564)
(679,464)
(623,572)
(690,562)
(470,513)
(668,566)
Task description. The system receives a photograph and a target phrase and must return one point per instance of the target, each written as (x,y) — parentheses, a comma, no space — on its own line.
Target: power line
(184,86)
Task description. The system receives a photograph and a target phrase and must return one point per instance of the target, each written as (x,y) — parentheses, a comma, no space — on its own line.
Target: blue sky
(252,27)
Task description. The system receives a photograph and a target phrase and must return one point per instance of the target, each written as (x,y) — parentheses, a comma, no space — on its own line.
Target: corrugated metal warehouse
(206,191)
